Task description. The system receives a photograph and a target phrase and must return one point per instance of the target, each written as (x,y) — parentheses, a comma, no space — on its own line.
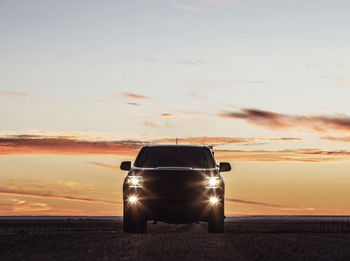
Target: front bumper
(175,210)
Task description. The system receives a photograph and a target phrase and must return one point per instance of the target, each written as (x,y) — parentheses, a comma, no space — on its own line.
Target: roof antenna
(176,141)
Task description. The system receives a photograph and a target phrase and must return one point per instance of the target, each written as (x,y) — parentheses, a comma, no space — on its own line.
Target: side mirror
(224,166)
(125,165)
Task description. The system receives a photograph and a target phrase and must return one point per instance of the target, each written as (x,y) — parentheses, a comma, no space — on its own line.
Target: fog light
(133,199)
(213,200)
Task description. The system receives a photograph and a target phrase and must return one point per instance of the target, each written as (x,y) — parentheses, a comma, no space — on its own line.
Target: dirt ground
(242,240)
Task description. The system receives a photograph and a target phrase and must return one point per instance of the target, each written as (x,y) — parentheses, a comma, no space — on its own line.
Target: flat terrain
(253,239)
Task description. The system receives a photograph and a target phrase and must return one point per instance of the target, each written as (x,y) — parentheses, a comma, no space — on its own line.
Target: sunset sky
(84,84)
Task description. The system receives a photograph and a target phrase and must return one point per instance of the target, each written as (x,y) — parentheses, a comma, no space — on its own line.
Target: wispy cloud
(301,155)
(78,135)
(133,103)
(178,115)
(12,93)
(6,191)
(275,206)
(332,138)
(150,124)
(274,120)
(104,165)
(44,189)
(50,187)
(166,115)
(43,145)
(223,140)
(24,206)
(134,95)
(63,145)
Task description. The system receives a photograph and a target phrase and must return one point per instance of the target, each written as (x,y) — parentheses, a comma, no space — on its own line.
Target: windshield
(152,157)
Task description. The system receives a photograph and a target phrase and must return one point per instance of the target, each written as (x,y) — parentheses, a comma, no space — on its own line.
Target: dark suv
(175,184)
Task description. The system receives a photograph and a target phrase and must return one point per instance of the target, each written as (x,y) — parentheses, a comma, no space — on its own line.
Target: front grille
(177,185)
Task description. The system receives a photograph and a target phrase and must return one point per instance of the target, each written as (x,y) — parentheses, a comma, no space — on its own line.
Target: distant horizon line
(231,216)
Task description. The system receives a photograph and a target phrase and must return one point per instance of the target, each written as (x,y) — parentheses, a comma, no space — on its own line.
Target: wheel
(216,221)
(134,224)
(134,221)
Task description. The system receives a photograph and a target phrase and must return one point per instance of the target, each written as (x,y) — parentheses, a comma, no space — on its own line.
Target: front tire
(216,221)
(134,221)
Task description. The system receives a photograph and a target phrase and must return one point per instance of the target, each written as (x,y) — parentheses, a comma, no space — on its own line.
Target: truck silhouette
(175,184)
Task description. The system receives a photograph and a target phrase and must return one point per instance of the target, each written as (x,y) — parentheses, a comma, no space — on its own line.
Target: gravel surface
(241,241)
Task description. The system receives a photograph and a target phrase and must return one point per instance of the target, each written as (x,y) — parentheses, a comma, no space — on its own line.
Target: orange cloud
(166,115)
(36,144)
(63,145)
(24,206)
(78,135)
(222,140)
(275,206)
(344,139)
(134,95)
(6,191)
(303,155)
(178,115)
(11,93)
(273,120)
(56,190)
(50,187)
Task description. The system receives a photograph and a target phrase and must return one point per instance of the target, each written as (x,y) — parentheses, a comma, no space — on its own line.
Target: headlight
(212,182)
(134,181)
